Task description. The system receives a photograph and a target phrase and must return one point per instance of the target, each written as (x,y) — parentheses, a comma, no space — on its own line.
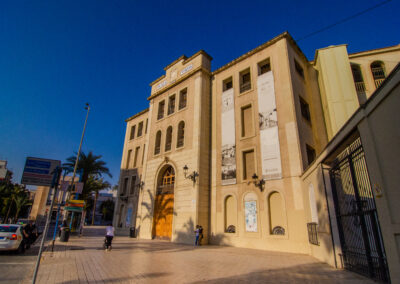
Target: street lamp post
(87,107)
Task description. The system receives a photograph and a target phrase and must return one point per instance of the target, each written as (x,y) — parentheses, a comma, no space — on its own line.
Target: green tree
(94,185)
(13,199)
(90,165)
(21,199)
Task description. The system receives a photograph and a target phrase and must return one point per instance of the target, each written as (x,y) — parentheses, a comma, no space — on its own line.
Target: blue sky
(57,55)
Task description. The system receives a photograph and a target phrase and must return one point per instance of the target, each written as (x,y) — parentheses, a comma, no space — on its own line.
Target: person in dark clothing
(30,234)
(200,235)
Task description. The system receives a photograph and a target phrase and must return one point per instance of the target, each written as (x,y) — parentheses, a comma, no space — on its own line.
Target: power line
(344,20)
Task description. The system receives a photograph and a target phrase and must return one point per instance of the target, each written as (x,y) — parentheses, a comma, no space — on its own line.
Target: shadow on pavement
(307,273)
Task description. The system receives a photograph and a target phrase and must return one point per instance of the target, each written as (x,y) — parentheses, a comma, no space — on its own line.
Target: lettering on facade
(186,69)
(161,85)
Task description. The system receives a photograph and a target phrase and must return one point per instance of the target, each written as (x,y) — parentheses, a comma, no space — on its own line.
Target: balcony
(360,88)
(379,75)
(379,82)
(245,86)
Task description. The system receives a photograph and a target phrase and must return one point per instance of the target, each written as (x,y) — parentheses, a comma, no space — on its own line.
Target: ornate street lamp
(258,183)
(193,176)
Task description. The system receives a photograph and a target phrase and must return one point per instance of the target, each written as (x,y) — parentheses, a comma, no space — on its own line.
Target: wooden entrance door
(164,205)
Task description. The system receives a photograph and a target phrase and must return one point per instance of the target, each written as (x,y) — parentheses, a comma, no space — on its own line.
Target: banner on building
(268,121)
(228,145)
(250,211)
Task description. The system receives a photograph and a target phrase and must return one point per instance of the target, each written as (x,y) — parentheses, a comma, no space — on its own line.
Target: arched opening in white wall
(313,204)
(230,214)
(378,72)
(276,214)
(250,212)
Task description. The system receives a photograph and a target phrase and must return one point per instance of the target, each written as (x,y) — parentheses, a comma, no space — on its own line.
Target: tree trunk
(94,207)
(16,215)
(8,212)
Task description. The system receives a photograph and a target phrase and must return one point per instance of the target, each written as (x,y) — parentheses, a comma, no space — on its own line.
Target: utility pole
(87,107)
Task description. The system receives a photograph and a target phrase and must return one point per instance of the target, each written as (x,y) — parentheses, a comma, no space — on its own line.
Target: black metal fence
(360,236)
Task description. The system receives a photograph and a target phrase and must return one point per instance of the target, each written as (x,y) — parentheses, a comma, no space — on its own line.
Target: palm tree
(95,184)
(90,165)
(21,199)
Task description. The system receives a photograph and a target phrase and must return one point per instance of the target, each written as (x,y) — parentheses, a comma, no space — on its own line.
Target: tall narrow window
(157,146)
(133,129)
(140,129)
(310,154)
(136,157)
(181,134)
(147,122)
(227,84)
(168,139)
(133,185)
(161,106)
(264,67)
(125,186)
(182,98)
(305,110)
(144,148)
(230,214)
(299,69)
(245,80)
(128,158)
(247,121)
(248,164)
(171,104)
(277,221)
(378,72)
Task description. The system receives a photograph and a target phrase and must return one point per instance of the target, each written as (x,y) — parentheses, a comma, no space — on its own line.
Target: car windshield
(8,229)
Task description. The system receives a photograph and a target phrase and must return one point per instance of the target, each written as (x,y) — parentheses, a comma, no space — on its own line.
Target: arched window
(166,181)
(276,214)
(378,72)
(168,139)
(157,146)
(358,78)
(181,134)
(230,214)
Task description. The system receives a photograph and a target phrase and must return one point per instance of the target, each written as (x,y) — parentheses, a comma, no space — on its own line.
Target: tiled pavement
(143,261)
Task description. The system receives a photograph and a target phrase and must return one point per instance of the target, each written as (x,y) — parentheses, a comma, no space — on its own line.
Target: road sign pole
(58,215)
(54,184)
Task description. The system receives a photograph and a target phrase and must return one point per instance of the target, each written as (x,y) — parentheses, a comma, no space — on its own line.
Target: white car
(11,237)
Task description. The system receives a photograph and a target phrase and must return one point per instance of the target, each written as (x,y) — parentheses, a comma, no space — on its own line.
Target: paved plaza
(82,260)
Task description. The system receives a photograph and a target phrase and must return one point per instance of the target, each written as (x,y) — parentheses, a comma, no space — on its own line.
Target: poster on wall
(228,146)
(268,121)
(128,217)
(250,211)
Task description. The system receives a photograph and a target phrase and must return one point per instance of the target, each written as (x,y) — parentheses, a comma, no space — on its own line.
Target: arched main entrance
(164,203)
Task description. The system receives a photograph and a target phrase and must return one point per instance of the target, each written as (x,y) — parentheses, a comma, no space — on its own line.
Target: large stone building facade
(229,149)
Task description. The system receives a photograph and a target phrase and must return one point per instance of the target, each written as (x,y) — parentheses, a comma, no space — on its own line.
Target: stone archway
(164,203)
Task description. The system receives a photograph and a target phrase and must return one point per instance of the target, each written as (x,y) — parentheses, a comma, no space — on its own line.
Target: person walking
(197,233)
(200,234)
(109,236)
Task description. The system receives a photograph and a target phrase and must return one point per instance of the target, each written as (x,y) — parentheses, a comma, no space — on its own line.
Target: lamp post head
(255,177)
(87,106)
(185,170)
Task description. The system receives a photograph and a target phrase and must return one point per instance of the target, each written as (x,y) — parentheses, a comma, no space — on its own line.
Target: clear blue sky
(57,55)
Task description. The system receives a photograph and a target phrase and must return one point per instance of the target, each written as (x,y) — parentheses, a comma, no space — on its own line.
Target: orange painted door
(163,213)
